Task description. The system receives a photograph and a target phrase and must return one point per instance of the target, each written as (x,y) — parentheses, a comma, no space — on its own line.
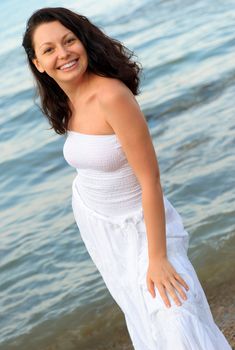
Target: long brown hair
(106,57)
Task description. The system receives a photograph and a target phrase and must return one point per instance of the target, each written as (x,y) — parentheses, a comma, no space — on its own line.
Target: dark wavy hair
(106,57)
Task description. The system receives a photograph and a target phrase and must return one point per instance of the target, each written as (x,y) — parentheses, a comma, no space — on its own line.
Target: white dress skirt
(107,206)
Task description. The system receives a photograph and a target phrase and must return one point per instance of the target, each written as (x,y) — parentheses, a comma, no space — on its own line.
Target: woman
(87,83)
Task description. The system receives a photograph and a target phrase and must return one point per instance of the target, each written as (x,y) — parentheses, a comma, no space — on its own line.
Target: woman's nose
(62,52)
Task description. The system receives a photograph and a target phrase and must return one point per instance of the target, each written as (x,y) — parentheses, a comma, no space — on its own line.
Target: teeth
(68,65)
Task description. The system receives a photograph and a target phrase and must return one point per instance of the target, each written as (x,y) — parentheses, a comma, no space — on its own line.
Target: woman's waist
(109,197)
(118,198)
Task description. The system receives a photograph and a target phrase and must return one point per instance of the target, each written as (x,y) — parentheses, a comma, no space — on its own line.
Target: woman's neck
(79,88)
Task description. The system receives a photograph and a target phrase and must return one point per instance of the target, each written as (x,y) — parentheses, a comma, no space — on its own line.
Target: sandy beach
(222,301)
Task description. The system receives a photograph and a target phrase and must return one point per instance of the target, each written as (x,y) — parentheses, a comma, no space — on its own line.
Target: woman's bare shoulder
(110,88)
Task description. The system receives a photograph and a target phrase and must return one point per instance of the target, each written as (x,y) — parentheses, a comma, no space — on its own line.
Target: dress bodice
(105,180)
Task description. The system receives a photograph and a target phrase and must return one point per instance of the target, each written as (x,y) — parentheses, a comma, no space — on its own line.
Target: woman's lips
(70,65)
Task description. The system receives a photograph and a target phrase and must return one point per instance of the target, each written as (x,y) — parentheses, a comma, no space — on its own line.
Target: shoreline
(108,330)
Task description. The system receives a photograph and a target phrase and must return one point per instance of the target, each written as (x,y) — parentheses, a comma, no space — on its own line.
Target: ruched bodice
(105,181)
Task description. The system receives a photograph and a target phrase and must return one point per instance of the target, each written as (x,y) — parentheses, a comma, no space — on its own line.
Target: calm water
(51,295)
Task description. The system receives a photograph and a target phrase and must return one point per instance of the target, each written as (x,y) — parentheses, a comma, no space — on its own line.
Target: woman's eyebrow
(48,42)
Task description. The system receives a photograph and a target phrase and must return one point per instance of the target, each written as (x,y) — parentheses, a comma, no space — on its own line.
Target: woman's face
(59,53)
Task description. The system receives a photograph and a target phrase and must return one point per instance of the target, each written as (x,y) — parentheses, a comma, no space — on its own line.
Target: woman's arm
(123,114)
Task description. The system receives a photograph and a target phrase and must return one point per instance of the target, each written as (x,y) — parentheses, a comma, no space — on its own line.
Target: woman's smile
(69,65)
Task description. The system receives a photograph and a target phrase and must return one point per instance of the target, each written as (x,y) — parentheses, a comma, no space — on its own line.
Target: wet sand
(221,298)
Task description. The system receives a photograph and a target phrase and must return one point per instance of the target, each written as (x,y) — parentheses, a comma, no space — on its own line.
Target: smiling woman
(72,37)
(132,232)
(64,53)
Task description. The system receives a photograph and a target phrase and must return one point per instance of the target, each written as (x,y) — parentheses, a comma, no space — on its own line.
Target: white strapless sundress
(107,206)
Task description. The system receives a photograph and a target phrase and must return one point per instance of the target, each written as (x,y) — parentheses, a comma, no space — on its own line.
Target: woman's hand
(161,273)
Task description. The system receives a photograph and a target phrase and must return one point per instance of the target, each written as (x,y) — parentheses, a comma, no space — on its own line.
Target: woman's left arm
(123,114)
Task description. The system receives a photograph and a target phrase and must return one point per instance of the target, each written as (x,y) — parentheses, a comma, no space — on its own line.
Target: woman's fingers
(179,289)
(150,285)
(163,294)
(180,279)
(170,287)
(171,291)
(167,281)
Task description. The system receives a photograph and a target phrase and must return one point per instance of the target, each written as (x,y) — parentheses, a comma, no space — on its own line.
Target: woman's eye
(70,40)
(49,49)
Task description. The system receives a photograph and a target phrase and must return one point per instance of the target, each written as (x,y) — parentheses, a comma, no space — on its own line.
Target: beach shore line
(108,330)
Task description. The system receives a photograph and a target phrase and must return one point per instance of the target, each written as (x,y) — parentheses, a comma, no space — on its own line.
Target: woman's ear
(37,65)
